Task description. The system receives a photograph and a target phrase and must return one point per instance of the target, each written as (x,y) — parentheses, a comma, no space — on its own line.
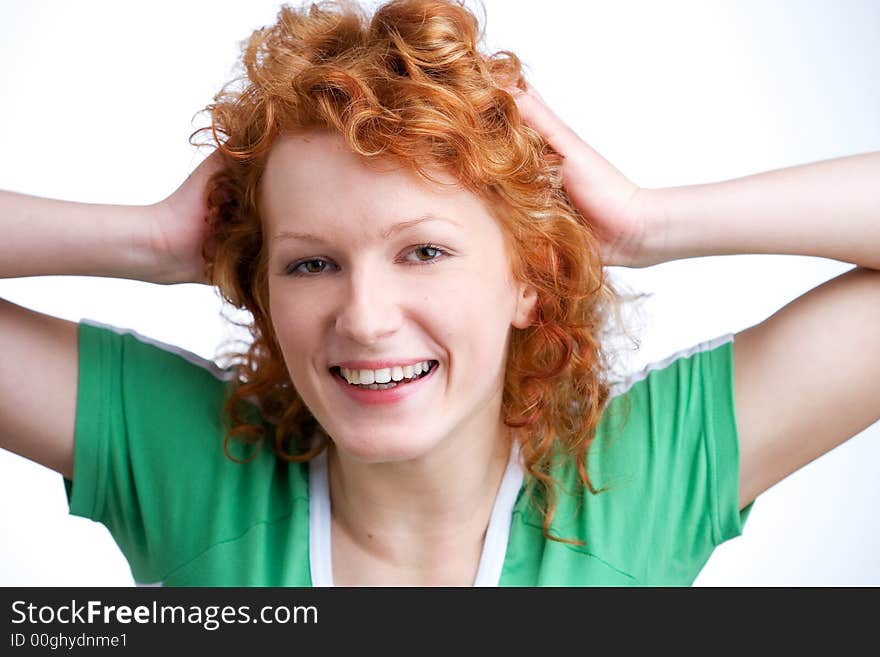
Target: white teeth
(385,375)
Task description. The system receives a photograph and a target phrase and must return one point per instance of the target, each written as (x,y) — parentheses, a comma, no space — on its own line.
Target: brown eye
(307,267)
(426,249)
(427,253)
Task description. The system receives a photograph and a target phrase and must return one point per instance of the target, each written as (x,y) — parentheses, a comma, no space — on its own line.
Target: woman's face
(372,272)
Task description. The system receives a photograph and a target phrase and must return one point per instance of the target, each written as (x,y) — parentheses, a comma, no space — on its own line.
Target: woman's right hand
(179,227)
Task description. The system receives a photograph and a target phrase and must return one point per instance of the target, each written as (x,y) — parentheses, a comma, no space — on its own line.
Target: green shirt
(149,465)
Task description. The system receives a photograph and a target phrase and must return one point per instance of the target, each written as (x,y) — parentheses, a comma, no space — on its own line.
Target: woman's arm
(38,371)
(829,209)
(808,377)
(160,243)
(45,237)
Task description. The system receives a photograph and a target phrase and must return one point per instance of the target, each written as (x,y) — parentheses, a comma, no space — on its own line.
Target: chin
(384,448)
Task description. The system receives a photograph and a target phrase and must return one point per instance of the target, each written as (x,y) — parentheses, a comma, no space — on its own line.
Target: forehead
(313,178)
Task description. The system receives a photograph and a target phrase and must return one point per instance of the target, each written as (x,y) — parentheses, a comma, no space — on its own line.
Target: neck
(403,512)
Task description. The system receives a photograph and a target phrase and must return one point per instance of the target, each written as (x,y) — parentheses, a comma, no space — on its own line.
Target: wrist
(651,242)
(668,234)
(143,262)
(173,257)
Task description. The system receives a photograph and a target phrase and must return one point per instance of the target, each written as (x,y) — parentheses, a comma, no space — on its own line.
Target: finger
(531,90)
(537,115)
(516,91)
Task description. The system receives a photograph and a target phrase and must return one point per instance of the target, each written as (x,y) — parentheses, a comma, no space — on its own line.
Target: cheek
(295,330)
(475,319)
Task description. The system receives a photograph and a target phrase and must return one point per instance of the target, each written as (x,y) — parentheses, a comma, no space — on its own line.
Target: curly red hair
(410,84)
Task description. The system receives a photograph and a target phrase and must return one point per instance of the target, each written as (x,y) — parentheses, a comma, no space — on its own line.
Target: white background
(97,104)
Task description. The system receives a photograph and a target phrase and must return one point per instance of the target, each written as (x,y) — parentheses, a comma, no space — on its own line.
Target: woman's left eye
(430,252)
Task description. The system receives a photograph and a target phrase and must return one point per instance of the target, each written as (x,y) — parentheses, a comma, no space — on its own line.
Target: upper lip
(379,364)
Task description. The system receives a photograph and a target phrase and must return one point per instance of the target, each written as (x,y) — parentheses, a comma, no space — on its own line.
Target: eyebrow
(386,234)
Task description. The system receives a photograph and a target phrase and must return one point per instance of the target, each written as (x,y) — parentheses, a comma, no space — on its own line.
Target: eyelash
(291,269)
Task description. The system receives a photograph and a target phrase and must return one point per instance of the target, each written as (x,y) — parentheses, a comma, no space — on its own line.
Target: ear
(526,302)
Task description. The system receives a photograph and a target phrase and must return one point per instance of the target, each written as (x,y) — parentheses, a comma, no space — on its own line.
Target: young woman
(426,376)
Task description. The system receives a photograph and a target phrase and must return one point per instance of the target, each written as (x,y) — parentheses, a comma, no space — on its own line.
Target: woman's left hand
(613,205)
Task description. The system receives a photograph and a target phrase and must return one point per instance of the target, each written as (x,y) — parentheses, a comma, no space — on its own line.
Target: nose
(369,310)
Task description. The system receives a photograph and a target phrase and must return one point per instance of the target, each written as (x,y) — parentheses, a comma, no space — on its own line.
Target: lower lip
(383,397)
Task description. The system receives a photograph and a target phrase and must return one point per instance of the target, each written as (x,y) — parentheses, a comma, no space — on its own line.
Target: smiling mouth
(337,372)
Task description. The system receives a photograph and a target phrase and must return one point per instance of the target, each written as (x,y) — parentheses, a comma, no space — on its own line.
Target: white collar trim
(320,552)
(494,544)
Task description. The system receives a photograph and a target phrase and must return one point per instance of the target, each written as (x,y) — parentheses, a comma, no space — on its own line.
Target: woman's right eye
(307,267)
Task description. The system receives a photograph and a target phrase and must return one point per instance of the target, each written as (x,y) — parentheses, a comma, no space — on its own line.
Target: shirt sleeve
(675,464)
(148,443)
